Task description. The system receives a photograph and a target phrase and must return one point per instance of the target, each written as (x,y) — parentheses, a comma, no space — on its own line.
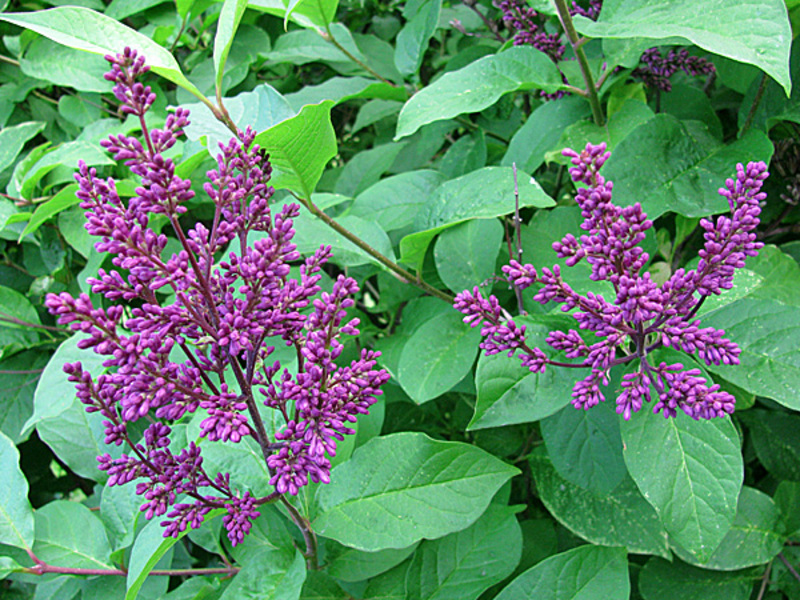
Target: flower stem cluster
(194,339)
(643,316)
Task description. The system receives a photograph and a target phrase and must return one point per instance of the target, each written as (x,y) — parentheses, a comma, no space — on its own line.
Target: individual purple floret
(193,340)
(656,69)
(642,316)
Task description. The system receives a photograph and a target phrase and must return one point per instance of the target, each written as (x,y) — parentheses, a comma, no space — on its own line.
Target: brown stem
(762,87)
(309,536)
(9,60)
(392,266)
(764,582)
(328,35)
(491,25)
(789,566)
(6,318)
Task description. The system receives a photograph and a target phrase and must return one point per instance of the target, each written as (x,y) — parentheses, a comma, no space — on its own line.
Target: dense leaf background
(428,138)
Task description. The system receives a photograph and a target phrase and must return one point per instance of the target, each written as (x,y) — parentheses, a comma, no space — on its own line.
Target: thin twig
(762,87)
(6,318)
(328,35)
(764,581)
(518,231)
(471,4)
(9,60)
(789,566)
(27,372)
(469,124)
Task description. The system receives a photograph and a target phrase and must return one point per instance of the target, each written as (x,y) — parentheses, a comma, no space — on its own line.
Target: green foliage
(472,478)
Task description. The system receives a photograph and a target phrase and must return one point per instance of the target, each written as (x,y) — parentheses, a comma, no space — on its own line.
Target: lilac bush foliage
(208,347)
(643,316)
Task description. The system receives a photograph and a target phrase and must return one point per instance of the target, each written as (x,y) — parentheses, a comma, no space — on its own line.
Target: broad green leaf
(20,374)
(390,585)
(437,356)
(585,447)
(85,29)
(54,393)
(466,563)
(412,41)
(620,124)
(151,547)
(583,573)
(350,564)
(681,166)
(375,110)
(14,307)
(321,586)
(401,488)
(466,255)
(16,514)
(365,169)
(342,89)
(394,202)
(483,194)
(300,147)
(726,27)
(508,393)
(466,155)
(542,131)
(756,537)
(787,499)
(305,46)
(61,201)
(621,517)
(61,65)
(229,18)
(687,103)
(67,154)
(245,463)
(306,13)
(8,566)
(779,276)
(119,509)
(766,331)
(121,9)
(478,86)
(12,139)
(264,579)
(775,440)
(662,580)
(262,108)
(69,535)
(312,233)
(692,480)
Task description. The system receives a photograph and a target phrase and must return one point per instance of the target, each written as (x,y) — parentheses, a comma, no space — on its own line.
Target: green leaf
(299,148)
(437,356)
(342,89)
(466,255)
(680,165)
(414,37)
(478,86)
(306,13)
(756,537)
(509,393)
(390,585)
(12,139)
(262,579)
(727,28)
(374,111)
(662,580)
(151,547)
(67,154)
(692,480)
(779,273)
(394,202)
(766,331)
(85,29)
(483,194)
(774,436)
(585,447)
(262,108)
(16,395)
(583,573)
(365,169)
(301,47)
(8,566)
(16,514)
(61,201)
(229,18)
(69,535)
(121,9)
(119,509)
(400,488)
(466,155)
(15,306)
(350,564)
(621,517)
(466,563)
(787,499)
(542,131)
(244,461)
(61,65)
(321,586)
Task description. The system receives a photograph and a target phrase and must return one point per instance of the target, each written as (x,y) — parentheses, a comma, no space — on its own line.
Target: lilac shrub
(643,316)
(202,326)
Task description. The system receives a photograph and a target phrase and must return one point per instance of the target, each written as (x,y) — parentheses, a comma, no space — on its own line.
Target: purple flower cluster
(195,333)
(657,69)
(643,316)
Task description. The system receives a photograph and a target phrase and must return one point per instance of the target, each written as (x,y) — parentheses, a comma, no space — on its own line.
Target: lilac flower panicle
(657,69)
(642,316)
(204,352)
